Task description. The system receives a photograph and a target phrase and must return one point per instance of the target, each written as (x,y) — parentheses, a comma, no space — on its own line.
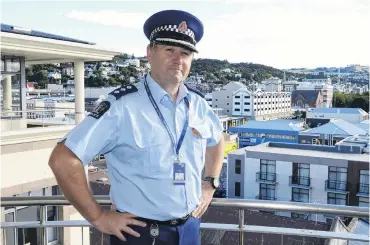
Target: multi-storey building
(302,173)
(224,98)
(261,105)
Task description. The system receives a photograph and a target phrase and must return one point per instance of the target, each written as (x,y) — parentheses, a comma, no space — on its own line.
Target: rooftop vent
(21,29)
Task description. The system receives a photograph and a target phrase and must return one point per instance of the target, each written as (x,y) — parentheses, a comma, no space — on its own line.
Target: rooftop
(339,110)
(337,127)
(34,33)
(278,124)
(312,154)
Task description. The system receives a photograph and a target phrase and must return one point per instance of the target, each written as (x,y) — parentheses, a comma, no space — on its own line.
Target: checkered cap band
(174,28)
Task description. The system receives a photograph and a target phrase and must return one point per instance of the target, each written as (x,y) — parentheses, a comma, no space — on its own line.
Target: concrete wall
(74,235)
(233,177)
(13,124)
(251,188)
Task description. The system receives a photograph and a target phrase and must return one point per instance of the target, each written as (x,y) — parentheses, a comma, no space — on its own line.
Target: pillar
(7,94)
(79,91)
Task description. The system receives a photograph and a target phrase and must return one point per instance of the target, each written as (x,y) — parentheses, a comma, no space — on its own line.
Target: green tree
(339,99)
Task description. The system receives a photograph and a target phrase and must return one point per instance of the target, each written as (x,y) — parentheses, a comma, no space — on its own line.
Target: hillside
(213,70)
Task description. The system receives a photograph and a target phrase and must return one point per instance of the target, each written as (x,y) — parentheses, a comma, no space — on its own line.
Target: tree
(339,99)
(361,102)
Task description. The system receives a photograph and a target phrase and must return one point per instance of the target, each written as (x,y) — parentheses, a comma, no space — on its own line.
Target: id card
(178,173)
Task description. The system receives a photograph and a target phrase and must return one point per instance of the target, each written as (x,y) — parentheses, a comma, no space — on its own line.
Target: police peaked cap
(174,27)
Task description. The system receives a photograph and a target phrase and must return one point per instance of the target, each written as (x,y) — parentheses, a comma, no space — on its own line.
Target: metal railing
(299,181)
(266,177)
(333,185)
(40,117)
(363,189)
(241,227)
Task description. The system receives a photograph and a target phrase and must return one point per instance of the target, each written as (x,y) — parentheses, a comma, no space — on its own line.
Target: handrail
(241,204)
(316,208)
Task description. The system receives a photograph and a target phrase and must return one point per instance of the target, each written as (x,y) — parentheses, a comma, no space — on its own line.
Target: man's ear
(149,51)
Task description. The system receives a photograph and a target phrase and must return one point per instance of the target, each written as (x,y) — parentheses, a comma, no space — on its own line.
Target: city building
(224,97)
(302,99)
(319,82)
(272,85)
(319,116)
(273,171)
(25,151)
(257,132)
(261,105)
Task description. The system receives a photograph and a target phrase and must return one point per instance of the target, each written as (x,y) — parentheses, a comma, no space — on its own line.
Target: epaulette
(123,90)
(194,91)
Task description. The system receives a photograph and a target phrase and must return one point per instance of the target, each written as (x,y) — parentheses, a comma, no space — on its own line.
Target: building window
(301,174)
(238,166)
(247,103)
(246,109)
(337,199)
(300,195)
(237,97)
(364,181)
(268,170)
(237,103)
(363,201)
(237,189)
(237,109)
(267,192)
(337,178)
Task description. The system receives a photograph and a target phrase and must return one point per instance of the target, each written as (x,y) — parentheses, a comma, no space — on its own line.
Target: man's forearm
(71,178)
(214,159)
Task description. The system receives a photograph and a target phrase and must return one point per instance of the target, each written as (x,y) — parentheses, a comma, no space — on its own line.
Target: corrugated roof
(339,110)
(363,126)
(33,33)
(278,124)
(336,126)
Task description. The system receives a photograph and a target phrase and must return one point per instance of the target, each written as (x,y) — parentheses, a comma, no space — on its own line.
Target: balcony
(336,186)
(300,181)
(363,190)
(238,228)
(266,177)
(261,197)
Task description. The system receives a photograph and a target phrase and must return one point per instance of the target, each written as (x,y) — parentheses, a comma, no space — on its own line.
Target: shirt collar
(158,92)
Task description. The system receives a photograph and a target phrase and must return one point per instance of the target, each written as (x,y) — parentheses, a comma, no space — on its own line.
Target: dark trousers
(185,234)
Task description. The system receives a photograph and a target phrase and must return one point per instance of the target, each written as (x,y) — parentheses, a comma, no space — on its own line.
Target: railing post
(241,225)
(43,218)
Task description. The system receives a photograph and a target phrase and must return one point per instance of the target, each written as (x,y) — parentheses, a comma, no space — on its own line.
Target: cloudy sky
(279,33)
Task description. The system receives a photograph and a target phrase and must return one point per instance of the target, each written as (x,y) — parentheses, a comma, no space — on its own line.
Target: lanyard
(182,136)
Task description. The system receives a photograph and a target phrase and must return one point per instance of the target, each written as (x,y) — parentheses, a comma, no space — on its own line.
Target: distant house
(307,99)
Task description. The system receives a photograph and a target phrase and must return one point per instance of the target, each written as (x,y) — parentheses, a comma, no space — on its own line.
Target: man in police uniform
(157,136)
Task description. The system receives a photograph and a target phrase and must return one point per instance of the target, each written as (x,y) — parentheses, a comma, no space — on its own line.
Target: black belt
(173,222)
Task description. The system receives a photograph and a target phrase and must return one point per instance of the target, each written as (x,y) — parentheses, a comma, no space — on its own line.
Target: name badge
(178,173)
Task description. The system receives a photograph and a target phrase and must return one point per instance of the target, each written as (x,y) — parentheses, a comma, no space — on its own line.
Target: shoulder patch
(99,111)
(123,90)
(194,91)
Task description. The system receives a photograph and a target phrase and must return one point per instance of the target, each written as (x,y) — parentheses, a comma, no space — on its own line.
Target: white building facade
(261,105)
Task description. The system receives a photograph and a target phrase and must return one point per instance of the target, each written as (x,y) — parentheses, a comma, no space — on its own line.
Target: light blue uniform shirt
(140,153)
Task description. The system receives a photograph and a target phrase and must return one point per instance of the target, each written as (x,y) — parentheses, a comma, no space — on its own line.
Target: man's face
(169,63)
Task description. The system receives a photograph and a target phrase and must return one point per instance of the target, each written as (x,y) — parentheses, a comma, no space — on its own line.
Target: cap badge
(183,27)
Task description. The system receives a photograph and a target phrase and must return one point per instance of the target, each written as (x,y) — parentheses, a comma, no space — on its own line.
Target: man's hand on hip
(113,223)
(205,200)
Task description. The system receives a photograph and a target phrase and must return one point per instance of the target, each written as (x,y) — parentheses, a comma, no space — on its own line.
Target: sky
(279,33)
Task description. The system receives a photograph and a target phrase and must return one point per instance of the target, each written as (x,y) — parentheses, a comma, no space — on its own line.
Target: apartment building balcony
(210,230)
(263,197)
(363,190)
(336,186)
(266,177)
(299,181)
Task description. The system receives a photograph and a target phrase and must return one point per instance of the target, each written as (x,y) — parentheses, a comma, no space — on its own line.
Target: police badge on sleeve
(99,111)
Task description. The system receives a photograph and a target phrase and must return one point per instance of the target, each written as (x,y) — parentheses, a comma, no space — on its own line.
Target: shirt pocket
(150,146)
(200,133)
